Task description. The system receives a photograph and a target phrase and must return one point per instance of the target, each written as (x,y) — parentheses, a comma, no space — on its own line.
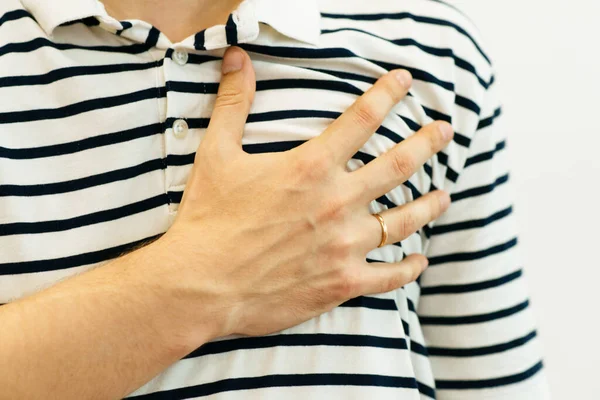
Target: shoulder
(422,14)
(433,26)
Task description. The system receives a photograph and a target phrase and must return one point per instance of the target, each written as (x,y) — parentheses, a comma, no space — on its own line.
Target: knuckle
(409,223)
(347,284)
(230,97)
(314,165)
(365,114)
(402,165)
(344,246)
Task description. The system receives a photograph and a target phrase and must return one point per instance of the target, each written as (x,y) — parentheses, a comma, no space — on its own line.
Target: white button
(180,128)
(180,57)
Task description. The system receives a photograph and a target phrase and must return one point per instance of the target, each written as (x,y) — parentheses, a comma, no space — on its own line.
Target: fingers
(234,98)
(405,220)
(353,128)
(402,161)
(385,277)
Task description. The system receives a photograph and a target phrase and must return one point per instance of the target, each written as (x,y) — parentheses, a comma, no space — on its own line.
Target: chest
(98,161)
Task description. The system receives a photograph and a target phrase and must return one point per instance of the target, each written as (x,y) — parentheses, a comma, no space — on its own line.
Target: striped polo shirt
(99,123)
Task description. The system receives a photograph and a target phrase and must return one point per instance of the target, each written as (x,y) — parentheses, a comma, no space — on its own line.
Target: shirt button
(180,57)
(180,128)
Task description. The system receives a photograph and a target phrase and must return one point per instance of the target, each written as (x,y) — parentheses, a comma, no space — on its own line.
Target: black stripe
(20,228)
(82,183)
(426,229)
(439,52)
(484,123)
(267,381)
(80,107)
(426,390)
(482,351)
(81,145)
(418,348)
(14,15)
(406,328)
(434,114)
(475,255)
(152,38)
(478,191)
(175,196)
(451,175)
(374,303)
(489,383)
(293,340)
(471,224)
(194,58)
(180,159)
(271,84)
(473,319)
(199,40)
(485,156)
(87,21)
(466,103)
(69,72)
(126,25)
(411,305)
(470,287)
(406,15)
(231,33)
(458,137)
(311,53)
(345,75)
(37,43)
(61,263)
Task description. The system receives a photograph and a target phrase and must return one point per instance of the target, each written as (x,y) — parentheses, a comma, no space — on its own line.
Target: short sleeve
(474,305)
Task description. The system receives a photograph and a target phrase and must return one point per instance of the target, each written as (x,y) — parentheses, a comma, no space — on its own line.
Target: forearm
(101,334)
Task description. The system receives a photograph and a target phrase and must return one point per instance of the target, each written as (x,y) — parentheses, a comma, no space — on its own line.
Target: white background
(547,56)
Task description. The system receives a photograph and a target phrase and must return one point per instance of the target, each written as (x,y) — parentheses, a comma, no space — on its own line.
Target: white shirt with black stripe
(99,122)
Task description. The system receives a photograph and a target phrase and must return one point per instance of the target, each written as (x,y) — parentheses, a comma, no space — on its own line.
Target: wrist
(190,310)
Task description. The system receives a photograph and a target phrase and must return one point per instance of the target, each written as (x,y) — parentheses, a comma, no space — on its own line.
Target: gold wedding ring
(384,230)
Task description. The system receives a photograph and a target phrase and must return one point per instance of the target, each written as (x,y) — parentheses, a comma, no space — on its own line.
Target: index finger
(347,134)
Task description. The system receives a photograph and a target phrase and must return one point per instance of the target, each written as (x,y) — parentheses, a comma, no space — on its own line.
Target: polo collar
(299,20)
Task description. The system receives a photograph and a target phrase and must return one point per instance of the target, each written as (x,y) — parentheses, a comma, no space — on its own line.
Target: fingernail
(233,60)
(444,200)
(404,77)
(446,130)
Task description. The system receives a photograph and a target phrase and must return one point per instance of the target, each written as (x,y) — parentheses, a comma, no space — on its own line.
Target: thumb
(234,98)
